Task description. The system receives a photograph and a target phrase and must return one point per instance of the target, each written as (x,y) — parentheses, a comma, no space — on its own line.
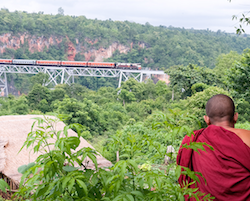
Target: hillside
(57,37)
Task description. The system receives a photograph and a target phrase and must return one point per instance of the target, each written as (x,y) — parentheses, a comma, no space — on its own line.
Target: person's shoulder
(243,134)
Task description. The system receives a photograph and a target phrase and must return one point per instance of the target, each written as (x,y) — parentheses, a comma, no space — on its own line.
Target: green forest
(138,120)
(163,46)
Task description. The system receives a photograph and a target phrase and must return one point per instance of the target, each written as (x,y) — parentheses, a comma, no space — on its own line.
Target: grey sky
(197,14)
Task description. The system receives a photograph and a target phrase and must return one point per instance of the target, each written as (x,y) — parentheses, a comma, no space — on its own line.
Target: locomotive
(135,66)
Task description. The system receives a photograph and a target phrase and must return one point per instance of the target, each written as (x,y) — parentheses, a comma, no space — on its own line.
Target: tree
(14,105)
(60,11)
(40,78)
(136,88)
(149,89)
(243,108)
(57,94)
(196,104)
(85,112)
(126,96)
(43,106)
(184,77)
(224,62)
(21,105)
(238,77)
(198,87)
(37,94)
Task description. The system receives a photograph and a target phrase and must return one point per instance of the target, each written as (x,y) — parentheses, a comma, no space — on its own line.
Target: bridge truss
(61,75)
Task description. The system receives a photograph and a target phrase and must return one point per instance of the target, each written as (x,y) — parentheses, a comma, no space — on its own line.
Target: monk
(226,169)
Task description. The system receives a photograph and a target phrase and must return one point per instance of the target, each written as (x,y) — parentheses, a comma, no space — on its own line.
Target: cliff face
(102,53)
(38,43)
(34,43)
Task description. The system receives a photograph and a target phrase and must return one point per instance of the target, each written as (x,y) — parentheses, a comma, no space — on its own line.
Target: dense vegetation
(139,120)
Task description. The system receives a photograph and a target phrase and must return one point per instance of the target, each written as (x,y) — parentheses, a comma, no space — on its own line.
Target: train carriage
(101,64)
(5,61)
(74,63)
(48,63)
(136,66)
(24,62)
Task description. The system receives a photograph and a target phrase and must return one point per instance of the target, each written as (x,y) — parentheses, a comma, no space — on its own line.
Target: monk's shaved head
(220,108)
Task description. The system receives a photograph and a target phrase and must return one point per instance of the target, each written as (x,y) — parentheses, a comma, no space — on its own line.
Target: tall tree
(225,62)
(60,11)
(238,77)
(184,77)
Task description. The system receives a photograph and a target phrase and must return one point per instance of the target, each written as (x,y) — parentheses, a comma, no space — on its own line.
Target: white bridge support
(3,84)
(125,75)
(58,75)
(61,75)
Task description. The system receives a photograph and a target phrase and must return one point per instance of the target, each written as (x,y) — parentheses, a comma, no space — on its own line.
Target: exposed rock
(103,53)
(164,78)
(71,52)
(38,43)
(90,41)
(13,133)
(35,43)
(142,45)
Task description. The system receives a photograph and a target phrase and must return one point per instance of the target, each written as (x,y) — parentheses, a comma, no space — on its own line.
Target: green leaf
(196,146)
(73,142)
(65,181)
(42,191)
(3,185)
(178,171)
(94,179)
(69,168)
(65,130)
(82,185)
(130,197)
(137,193)
(22,169)
(133,164)
(71,184)
(93,158)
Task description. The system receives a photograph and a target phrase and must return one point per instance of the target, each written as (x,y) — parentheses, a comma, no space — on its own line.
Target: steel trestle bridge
(65,75)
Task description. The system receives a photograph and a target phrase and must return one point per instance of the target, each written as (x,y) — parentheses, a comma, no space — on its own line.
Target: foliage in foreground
(147,141)
(60,173)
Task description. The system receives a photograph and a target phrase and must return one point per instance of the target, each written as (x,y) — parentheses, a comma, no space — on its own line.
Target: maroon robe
(226,169)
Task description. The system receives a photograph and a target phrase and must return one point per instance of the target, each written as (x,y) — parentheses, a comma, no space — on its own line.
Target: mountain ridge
(57,37)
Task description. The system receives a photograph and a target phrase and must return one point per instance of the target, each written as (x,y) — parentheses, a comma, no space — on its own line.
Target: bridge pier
(125,75)
(58,75)
(3,84)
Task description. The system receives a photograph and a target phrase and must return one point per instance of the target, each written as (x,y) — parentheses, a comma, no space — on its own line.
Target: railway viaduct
(61,75)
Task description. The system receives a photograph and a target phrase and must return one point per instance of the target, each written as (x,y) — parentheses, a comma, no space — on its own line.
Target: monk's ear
(236,117)
(207,120)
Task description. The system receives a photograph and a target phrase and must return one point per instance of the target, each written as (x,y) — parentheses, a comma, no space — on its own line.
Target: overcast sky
(198,14)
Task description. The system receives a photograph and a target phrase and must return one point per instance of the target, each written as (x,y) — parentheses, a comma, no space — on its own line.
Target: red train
(135,66)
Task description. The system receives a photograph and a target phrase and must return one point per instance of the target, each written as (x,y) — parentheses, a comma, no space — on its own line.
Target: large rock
(13,133)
